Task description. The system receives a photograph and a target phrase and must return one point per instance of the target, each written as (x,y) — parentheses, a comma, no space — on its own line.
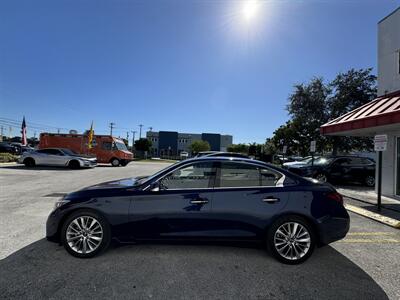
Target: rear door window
(245,175)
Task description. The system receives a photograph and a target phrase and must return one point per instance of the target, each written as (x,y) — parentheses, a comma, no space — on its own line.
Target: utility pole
(151,129)
(140,131)
(111,127)
(133,139)
(34,135)
(127,136)
(58,130)
(1,134)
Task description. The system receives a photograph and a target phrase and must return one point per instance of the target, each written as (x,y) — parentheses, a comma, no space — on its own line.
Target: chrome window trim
(214,187)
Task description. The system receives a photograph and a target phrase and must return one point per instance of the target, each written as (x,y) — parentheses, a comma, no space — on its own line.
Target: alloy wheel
(84,234)
(370,181)
(292,240)
(321,177)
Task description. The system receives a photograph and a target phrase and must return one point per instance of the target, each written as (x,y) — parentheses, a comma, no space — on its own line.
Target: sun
(250,9)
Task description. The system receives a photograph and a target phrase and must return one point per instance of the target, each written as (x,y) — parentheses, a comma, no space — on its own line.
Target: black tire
(74,164)
(124,163)
(29,162)
(115,162)
(106,236)
(273,236)
(321,177)
(369,181)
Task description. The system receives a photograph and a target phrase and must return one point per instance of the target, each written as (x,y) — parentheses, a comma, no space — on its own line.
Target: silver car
(57,157)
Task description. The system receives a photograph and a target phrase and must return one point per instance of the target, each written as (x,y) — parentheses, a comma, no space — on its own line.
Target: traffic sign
(313,146)
(380,142)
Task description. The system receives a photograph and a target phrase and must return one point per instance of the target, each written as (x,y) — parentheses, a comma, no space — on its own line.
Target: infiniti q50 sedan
(204,199)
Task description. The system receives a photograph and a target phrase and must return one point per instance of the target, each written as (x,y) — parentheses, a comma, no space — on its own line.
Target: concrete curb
(374,216)
(8,164)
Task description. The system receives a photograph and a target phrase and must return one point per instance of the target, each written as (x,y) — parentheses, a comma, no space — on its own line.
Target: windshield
(322,161)
(120,146)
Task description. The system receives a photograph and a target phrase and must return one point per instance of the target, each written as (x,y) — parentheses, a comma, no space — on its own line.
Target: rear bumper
(332,229)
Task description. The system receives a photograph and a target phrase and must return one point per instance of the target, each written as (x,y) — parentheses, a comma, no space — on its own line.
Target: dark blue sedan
(204,199)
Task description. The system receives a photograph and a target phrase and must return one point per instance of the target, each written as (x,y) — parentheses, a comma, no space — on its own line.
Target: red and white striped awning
(381,113)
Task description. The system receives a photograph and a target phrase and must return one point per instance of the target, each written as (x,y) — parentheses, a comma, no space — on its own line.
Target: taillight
(336,197)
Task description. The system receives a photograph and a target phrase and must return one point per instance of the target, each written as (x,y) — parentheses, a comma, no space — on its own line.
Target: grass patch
(7,157)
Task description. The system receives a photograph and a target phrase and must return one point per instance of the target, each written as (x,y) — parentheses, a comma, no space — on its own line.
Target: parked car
(204,199)
(106,148)
(21,148)
(8,148)
(57,157)
(221,154)
(300,162)
(184,155)
(339,169)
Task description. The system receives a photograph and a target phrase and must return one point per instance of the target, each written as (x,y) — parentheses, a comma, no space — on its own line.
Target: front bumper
(88,164)
(52,225)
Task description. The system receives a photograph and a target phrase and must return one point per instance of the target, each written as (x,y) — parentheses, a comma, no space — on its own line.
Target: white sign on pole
(380,142)
(284,149)
(313,146)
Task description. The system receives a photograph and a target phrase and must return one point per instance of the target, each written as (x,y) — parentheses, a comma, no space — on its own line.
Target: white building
(382,115)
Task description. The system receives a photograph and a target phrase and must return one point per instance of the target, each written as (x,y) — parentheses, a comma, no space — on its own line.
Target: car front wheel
(29,162)
(370,181)
(291,240)
(85,234)
(115,162)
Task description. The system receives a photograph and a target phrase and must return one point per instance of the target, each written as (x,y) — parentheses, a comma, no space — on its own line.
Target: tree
(143,144)
(199,146)
(308,111)
(350,91)
(239,148)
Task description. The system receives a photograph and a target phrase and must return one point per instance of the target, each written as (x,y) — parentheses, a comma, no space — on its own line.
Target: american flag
(23,132)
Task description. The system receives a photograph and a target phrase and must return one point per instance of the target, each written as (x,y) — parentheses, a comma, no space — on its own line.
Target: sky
(187,66)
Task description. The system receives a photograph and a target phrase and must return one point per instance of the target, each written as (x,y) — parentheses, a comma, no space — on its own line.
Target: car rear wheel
(370,181)
(115,162)
(29,162)
(73,164)
(291,240)
(85,234)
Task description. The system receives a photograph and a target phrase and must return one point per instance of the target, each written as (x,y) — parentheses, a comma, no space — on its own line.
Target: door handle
(199,201)
(271,200)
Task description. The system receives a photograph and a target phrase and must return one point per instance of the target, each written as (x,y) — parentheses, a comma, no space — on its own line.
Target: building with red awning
(382,115)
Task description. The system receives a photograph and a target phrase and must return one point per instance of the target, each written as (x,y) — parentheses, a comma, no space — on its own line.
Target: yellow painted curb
(374,216)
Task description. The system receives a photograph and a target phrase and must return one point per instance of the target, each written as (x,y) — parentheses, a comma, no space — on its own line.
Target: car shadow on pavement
(41,168)
(46,270)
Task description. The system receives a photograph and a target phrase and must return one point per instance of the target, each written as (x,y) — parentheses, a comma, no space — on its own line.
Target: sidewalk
(363,201)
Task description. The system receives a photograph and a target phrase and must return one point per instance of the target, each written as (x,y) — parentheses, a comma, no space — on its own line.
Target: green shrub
(7,157)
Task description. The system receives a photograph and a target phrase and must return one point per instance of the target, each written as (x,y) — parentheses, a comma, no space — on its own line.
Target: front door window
(195,176)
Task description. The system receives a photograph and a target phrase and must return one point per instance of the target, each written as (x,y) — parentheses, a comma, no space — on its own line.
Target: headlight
(60,203)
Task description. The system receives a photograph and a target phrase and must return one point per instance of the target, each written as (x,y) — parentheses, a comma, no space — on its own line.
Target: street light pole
(111,127)
(133,139)
(140,131)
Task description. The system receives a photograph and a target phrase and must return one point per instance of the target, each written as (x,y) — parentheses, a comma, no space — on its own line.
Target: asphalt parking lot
(364,265)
